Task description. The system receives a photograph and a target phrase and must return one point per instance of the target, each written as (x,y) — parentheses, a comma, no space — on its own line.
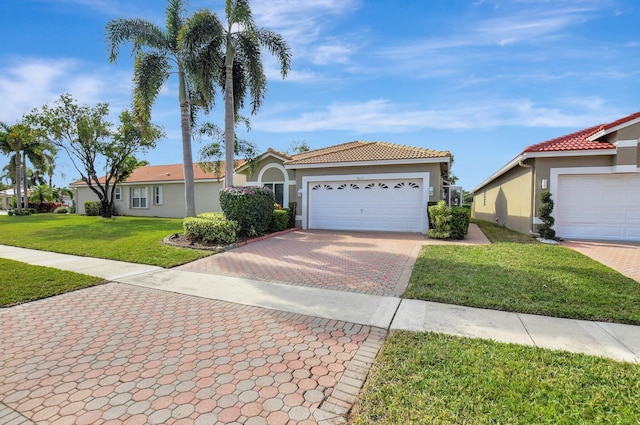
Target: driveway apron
(120,354)
(370,263)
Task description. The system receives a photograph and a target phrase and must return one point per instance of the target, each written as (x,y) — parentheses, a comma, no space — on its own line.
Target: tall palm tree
(238,46)
(13,139)
(157,56)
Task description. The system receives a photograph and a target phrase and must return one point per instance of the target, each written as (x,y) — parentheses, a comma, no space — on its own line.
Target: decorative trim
(623,125)
(368,163)
(286,182)
(627,143)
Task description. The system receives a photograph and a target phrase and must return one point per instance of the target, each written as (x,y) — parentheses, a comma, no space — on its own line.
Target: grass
(130,239)
(23,282)
(426,378)
(516,274)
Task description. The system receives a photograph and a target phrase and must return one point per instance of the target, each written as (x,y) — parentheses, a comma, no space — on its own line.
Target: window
(118,194)
(278,191)
(138,197)
(157,195)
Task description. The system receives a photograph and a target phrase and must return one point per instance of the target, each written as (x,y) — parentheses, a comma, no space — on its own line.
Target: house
(158,191)
(593,176)
(359,185)
(6,196)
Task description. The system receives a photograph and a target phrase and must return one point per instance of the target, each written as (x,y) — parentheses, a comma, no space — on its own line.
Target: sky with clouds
(480,78)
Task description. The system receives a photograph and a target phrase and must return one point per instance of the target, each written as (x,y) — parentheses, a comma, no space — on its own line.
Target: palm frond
(278,47)
(175,12)
(151,70)
(250,56)
(139,32)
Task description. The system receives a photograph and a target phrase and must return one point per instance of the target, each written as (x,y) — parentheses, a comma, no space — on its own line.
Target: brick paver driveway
(371,263)
(119,354)
(623,257)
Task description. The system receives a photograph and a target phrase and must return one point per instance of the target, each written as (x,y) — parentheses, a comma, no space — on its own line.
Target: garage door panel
(381,204)
(604,206)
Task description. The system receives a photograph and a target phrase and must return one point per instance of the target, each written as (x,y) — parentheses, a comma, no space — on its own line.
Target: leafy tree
(298,146)
(238,44)
(211,154)
(92,144)
(157,56)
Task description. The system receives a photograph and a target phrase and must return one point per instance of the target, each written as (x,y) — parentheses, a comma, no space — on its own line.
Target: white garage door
(605,207)
(382,205)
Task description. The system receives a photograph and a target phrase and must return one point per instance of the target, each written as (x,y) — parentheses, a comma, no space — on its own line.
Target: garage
(382,204)
(598,206)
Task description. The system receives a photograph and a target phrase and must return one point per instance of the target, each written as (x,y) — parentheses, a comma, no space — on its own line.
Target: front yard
(130,239)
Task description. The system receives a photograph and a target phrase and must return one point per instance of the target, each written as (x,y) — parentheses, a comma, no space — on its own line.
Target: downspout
(533,192)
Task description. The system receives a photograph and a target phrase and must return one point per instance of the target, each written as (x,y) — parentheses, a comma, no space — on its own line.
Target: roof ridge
(336,148)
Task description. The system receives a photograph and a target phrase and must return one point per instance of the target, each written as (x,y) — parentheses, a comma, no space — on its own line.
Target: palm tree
(13,139)
(238,46)
(157,56)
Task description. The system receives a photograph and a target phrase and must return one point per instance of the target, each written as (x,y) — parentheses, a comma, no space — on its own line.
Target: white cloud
(381,115)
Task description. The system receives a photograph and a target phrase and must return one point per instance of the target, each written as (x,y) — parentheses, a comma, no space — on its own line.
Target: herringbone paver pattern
(117,354)
(356,262)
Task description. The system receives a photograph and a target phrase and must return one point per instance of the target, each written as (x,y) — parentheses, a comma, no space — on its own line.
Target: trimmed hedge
(280,220)
(219,231)
(293,207)
(211,215)
(459,222)
(45,207)
(61,210)
(250,206)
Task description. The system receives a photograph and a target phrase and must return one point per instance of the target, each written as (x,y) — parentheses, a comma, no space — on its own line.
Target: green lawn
(517,273)
(426,378)
(23,282)
(131,239)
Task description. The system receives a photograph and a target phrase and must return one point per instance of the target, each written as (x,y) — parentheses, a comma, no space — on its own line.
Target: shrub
(440,215)
(544,214)
(459,222)
(280,220)
(429,205)
(211,215)
(61,210)
(250,206)
(45,207)
(29,211)
(293,206)
(221,232)
(92,208)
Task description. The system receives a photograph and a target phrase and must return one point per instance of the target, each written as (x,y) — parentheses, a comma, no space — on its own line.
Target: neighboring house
(355,186)
(7,195)
(593,176)
(158,191)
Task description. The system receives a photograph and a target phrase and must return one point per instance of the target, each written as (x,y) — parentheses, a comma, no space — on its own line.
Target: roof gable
(584,140)
(363,151)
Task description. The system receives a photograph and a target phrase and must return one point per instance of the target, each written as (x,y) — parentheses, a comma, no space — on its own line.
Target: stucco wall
(507,200)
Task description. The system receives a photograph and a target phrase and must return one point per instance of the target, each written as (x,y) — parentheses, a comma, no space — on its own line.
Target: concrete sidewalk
(615,341)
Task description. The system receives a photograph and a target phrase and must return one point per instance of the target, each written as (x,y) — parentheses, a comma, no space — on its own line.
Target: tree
(298,146)
(157,56)
(544,214)
(14,139)
(211,154)
(91,143)
(238,45)
(41,193)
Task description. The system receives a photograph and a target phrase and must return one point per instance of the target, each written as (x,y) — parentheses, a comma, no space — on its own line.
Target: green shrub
(61,210)
(211,215)
(544,214)
(250,206)
(92,208)
(440,216)
(459,222)
(280,220)
(293,206)
(28,211)
(429,205)
(222,232)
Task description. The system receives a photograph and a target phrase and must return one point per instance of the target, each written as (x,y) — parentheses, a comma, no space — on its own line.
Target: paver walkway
(120,354)
(623,257)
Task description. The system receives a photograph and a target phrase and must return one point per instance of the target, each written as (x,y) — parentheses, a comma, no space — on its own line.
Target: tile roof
(580,140)
(164,173)
(362,151)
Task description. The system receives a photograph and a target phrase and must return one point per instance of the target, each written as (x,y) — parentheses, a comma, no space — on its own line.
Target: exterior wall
(629,133)
(271,170)
(507,200)
(173,201)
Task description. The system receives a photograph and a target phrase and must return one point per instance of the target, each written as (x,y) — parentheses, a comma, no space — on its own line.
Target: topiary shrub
(459,222)
(250,206)
(211,215)
(544,214)
(440,216)
(279,220)
(92,208)
(293,206)
(61,210)
(218,231)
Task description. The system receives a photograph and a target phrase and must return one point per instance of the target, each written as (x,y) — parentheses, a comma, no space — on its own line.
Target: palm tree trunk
(26,185)
(18,191)
(187,156)
(229,113)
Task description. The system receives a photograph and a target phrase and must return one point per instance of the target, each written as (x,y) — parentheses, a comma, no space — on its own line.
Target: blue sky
(482,79)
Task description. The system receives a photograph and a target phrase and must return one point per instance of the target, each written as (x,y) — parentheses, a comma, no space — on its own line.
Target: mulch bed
(179,240)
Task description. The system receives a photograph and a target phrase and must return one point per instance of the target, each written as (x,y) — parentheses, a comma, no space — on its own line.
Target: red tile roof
(359,151)
(579,140)
(164,173)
